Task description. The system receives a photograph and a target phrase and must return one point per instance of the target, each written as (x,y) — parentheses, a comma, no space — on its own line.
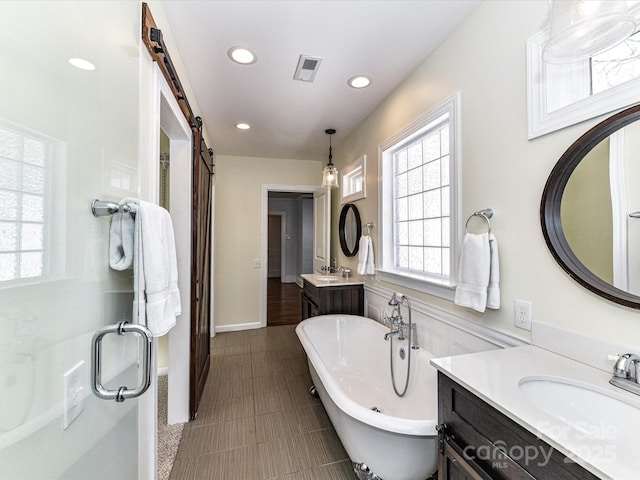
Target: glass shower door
(68,134)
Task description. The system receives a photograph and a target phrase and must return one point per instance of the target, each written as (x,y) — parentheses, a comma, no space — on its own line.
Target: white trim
(619,210)
(236,327)
(419,284)
(451,106)
(542,121)
(264,215)
(359,164)
(159,109)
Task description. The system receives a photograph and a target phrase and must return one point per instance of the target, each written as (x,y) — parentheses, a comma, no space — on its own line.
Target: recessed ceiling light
(82,64)
(359,81)
(242,55)
(243,126)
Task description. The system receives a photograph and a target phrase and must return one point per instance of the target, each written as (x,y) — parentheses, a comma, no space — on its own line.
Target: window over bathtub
(26,183)
(419,219)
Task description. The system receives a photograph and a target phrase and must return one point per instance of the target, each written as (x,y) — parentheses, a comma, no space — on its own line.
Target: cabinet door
(454,465)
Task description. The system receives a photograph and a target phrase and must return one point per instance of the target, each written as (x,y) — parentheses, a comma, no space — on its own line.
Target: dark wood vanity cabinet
(348,299)
(477,442)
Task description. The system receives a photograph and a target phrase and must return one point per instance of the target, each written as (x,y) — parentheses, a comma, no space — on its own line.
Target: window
(24,198)
(419,202)
(353,180)
(565,94)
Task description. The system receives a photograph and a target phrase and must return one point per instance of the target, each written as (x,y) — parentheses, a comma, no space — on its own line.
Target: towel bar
(101,208)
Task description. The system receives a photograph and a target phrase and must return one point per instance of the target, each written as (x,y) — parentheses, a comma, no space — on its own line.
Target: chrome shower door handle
(122,393)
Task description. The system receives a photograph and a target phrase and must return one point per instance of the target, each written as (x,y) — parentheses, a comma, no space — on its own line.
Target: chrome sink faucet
(332,268)
(626,373)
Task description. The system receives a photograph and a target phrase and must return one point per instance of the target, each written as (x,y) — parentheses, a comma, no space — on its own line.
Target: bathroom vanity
(329,294)
(525,412)
(477,440)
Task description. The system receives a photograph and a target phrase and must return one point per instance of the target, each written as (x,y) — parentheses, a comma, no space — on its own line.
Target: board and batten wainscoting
(440,332)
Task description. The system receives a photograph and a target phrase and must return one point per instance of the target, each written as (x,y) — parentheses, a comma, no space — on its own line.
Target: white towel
(370,267)
(366,265)
(121,238)
(473,272)
(157,270)
(493,290)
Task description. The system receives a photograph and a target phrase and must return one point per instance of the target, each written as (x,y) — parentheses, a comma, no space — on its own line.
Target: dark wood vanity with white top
(324,298)
(478,442)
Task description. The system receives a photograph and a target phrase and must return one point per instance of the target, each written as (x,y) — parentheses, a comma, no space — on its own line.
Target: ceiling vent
(307,68)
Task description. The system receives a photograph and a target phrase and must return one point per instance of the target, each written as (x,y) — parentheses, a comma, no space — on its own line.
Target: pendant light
(330,173)
(580,29)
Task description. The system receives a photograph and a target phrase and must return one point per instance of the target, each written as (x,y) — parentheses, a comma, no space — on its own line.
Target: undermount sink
(593,411)
(327,278)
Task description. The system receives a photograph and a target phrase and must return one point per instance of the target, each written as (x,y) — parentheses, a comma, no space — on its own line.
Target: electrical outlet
(73,394)
(522,314)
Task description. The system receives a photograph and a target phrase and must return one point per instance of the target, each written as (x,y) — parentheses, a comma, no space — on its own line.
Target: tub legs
(363,472)
(313,391)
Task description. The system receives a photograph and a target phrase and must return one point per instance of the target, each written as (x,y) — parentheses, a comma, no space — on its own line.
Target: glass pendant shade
(330,176)
(580,29)
(330,173)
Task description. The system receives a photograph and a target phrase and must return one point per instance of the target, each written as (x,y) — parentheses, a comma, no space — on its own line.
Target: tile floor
(257,420)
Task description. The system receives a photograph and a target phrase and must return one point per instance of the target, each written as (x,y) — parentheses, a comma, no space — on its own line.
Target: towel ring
(486,214)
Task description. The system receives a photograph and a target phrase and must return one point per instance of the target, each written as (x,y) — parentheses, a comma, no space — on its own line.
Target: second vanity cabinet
(477,442)
(325,300)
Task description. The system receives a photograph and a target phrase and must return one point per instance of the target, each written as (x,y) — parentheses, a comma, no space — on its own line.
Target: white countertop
(494,377)
(316,280)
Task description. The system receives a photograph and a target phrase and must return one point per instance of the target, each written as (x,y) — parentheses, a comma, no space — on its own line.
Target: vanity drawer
(492,445)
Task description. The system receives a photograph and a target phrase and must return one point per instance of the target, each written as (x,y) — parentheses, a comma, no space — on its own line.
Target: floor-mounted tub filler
(386,436)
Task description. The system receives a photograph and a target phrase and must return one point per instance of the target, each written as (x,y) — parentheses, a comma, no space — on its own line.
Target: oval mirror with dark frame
(590,209)
(349,229)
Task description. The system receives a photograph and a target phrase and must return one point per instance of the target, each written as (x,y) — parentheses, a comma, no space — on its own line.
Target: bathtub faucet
(395,319)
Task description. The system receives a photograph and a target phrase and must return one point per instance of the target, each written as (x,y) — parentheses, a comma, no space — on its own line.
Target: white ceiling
(384,39)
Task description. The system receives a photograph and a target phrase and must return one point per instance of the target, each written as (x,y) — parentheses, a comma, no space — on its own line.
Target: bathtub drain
(376,409)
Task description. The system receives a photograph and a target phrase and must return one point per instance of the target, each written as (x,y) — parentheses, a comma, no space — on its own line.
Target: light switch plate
(73,394)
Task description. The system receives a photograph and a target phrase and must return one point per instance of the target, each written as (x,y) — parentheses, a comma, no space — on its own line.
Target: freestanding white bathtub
(349,364)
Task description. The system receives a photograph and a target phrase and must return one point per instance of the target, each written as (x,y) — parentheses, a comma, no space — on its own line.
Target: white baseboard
(237,327)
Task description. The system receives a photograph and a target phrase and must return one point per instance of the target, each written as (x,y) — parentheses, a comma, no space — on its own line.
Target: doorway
(287,244)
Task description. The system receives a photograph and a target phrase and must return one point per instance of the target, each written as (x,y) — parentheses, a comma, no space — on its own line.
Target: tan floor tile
(184,469)
(239,463)
(232,409)
(256,419)
(277,425)
(275,401)
(217,437)
(269,383)
(234,388)
(279,457)
(313,418)
(322,447)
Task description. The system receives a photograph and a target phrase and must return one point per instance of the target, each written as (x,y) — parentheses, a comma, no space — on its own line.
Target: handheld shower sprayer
(397,322)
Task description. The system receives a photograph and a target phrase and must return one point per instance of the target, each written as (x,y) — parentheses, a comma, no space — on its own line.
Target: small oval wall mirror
(349,229)
(590,209)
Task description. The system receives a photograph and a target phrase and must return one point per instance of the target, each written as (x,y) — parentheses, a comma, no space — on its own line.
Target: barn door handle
(122,393)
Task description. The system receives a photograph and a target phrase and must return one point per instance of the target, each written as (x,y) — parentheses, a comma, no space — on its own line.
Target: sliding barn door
(201,267)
